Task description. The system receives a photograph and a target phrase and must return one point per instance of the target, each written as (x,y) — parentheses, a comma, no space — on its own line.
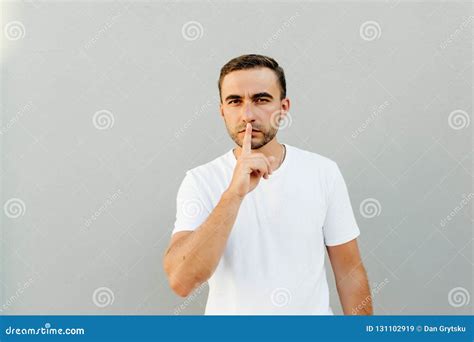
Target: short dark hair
(253,61)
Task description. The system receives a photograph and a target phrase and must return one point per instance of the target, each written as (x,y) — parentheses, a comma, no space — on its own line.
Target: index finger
(247,142)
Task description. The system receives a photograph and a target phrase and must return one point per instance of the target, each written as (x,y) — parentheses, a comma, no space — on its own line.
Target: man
(255,221)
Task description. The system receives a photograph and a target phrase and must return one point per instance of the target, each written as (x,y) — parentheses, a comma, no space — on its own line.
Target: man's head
(252,89)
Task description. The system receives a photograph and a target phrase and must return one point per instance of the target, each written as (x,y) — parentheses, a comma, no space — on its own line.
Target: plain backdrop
(105,105)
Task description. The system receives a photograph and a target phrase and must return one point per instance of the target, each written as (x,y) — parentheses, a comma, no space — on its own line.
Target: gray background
(94,201)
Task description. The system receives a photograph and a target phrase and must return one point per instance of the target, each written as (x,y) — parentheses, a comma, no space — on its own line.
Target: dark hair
(253,61)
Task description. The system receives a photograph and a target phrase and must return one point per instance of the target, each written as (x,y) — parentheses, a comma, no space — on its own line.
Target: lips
(253,130)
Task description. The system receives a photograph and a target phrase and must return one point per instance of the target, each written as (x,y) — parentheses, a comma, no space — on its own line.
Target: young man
(255,222)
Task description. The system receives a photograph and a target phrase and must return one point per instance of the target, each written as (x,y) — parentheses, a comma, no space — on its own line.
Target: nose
(248,113)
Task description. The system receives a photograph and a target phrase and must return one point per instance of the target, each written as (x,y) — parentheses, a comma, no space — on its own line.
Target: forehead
(250,81)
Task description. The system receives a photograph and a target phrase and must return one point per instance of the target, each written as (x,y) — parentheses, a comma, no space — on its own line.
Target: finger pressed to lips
(252,133)
(246,143)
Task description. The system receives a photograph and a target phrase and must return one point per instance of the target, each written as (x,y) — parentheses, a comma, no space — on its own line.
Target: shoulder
(213,168)
(313,159)
(312,165)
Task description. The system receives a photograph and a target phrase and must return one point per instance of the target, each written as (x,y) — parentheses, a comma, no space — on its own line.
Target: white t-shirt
(273,263)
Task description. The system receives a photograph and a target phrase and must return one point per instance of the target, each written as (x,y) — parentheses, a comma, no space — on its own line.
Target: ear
(285,106)
(221,110)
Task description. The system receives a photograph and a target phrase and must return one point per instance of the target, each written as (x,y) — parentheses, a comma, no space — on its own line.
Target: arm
(351,279)
(193,256)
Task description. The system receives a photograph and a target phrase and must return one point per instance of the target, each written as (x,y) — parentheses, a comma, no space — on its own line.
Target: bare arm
(351,279)
(193,256)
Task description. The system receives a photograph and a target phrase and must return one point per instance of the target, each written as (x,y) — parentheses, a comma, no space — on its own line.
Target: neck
(272,148)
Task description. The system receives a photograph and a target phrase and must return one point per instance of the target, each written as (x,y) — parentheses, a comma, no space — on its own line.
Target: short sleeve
(191,208)
(340,225)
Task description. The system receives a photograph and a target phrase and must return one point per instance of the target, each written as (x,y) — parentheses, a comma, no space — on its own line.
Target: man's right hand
(250,167)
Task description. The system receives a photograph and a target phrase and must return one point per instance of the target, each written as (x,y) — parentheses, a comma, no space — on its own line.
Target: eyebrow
(254,96)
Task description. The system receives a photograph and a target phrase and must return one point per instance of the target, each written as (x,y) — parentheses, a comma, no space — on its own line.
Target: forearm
(194,259)
(354,293)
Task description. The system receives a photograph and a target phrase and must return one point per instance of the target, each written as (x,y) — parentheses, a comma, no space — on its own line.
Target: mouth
(253,131)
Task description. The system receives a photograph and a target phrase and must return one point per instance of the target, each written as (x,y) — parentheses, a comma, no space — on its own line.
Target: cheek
(269,116)
(231,121)
(231,113)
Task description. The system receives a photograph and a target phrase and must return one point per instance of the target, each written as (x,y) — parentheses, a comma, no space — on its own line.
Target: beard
(265,136)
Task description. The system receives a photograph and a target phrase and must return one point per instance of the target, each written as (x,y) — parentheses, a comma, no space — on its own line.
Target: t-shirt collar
(283,165)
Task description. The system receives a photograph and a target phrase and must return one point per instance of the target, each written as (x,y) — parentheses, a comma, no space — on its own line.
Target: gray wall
(105,106)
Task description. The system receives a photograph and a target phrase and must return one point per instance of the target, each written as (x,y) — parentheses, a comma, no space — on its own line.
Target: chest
(278,228)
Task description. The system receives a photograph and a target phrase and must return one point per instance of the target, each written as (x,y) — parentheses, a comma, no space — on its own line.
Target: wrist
(231,195)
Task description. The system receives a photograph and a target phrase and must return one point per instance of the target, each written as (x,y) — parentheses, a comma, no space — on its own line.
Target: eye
(261,99)
(233,101)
